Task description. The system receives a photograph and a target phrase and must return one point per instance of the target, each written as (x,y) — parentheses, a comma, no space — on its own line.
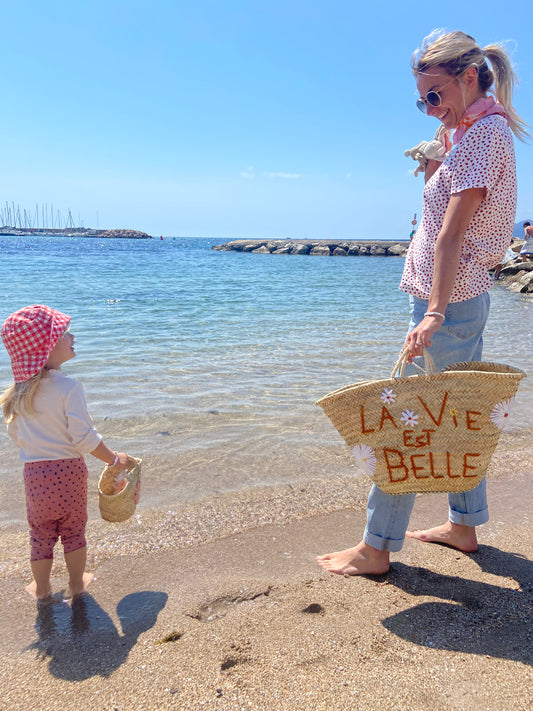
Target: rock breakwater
(321,248)
(518,276)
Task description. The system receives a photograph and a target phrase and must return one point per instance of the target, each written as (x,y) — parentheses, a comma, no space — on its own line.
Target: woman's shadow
(477,617)
(82,641)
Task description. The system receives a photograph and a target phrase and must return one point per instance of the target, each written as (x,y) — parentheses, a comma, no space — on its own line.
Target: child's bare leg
(78,578)
(40,588)
(456,535)
(360,560)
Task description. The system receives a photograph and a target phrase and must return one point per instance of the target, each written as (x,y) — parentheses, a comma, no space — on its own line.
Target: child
(47,419)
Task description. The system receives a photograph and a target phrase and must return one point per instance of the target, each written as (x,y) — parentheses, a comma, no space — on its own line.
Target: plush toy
(437,149)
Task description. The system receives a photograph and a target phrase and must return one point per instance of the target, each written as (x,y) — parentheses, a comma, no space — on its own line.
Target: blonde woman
(469,206)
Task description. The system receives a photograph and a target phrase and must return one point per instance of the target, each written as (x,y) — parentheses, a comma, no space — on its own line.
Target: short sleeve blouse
(483,158)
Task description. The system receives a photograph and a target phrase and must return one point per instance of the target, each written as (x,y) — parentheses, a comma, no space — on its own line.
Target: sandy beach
(221,605)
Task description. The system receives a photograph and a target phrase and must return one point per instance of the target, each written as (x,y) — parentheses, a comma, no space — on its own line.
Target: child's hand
(122,461)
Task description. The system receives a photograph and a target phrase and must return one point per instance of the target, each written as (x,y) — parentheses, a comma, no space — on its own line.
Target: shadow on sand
(82,641)
(477,617)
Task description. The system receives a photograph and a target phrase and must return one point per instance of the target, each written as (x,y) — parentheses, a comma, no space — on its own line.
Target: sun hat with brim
(29,336)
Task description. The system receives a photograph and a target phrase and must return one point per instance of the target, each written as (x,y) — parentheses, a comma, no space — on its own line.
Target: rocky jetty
(321,247)
(122,234)
(518,276)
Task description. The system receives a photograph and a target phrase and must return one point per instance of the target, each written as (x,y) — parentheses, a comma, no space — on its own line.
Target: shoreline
(184,523)
(250,621)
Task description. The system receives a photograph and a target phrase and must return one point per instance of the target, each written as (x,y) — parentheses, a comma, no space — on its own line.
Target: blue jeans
(460,338)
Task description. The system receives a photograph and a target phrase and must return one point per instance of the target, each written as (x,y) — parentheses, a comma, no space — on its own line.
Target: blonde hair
(455,52)
(18,398)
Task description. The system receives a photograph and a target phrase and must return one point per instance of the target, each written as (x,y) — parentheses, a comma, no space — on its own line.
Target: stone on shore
(322,250)
(299,249)
(518,276)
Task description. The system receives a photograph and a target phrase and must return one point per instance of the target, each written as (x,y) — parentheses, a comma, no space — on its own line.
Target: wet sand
(219,604)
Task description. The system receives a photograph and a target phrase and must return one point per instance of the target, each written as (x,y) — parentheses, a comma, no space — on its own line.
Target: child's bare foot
(456,535)
(361,560)
(80,587)
(39,595)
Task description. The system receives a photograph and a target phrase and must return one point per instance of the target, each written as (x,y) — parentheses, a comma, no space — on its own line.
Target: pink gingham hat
(29,336)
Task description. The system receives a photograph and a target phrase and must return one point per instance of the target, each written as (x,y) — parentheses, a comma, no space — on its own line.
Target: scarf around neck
(478,110)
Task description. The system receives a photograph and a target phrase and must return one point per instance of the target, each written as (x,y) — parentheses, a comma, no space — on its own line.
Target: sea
(208,364)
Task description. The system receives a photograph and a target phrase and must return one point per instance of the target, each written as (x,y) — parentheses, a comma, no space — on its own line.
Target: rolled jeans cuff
(469,519)
(393,545)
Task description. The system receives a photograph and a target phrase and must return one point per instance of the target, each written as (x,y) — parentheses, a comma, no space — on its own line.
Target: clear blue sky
(231,118)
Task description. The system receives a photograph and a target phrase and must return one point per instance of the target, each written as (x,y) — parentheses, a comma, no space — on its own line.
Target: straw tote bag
(428,432)
(121,505)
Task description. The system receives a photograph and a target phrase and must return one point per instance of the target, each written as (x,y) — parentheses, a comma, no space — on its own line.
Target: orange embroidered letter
(467,466)
(437,422)
(363,422)
(418,469)
(385,415)
(391,466)
(470,421)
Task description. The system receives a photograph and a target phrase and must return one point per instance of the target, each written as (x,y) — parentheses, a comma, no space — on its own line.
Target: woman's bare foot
(456,535)
(39,595)
(80,588)
(361,560)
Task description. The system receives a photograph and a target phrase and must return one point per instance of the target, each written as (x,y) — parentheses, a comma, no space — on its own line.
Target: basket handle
(399,368)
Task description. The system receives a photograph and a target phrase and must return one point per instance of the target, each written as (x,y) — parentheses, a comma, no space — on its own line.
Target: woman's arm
(459,213)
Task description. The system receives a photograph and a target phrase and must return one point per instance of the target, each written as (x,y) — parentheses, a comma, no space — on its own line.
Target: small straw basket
(427,432)
(121,505)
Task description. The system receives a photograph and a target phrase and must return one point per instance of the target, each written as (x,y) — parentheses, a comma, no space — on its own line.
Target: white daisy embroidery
(388,396)
(366,458)
(501,411)
(409,418)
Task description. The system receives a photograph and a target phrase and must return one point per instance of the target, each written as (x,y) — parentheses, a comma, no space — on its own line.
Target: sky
(231,118)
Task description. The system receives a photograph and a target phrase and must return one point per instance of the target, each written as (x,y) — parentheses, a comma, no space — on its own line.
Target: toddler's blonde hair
(18,398)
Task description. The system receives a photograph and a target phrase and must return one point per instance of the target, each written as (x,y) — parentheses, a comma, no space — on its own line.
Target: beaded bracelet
(116,460)
(435,313)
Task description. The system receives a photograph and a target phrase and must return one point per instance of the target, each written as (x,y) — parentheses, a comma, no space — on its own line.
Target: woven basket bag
(118,506)
(428,432)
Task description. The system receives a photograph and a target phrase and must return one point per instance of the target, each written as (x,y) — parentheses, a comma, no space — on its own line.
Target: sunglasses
(432,98)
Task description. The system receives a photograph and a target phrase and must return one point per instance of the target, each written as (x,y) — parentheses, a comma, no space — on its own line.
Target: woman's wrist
(115,460)
(437,314)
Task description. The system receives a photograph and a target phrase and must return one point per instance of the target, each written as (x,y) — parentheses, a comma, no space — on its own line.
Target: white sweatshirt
(61,428)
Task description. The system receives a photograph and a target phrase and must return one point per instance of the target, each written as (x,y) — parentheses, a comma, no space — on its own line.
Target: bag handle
(428,369)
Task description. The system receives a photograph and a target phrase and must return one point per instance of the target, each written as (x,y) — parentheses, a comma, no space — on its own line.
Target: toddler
(47,419)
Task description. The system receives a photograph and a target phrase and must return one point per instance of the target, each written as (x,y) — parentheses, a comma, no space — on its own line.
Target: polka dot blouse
(483,158)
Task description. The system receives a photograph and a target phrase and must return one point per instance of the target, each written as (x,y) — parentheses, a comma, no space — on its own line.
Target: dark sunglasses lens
(421,105)
(433,98)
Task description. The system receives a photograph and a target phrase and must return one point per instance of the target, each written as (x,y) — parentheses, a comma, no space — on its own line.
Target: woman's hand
(421,335)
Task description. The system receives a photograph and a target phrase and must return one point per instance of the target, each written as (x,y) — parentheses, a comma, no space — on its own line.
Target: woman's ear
(470,76)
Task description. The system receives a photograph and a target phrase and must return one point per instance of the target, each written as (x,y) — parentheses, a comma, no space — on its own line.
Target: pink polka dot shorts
(56,504)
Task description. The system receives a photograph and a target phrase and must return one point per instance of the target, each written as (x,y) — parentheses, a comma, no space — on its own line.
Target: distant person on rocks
(527,250)
(510,254)
(47,419)
(469,205)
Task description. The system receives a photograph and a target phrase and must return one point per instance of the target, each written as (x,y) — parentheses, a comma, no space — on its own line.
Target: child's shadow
(478,618)
(81,641)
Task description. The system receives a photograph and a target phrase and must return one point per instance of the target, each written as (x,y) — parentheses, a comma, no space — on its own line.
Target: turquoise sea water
(182,349)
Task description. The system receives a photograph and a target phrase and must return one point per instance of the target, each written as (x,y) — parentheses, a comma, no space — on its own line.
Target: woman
(467,222)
